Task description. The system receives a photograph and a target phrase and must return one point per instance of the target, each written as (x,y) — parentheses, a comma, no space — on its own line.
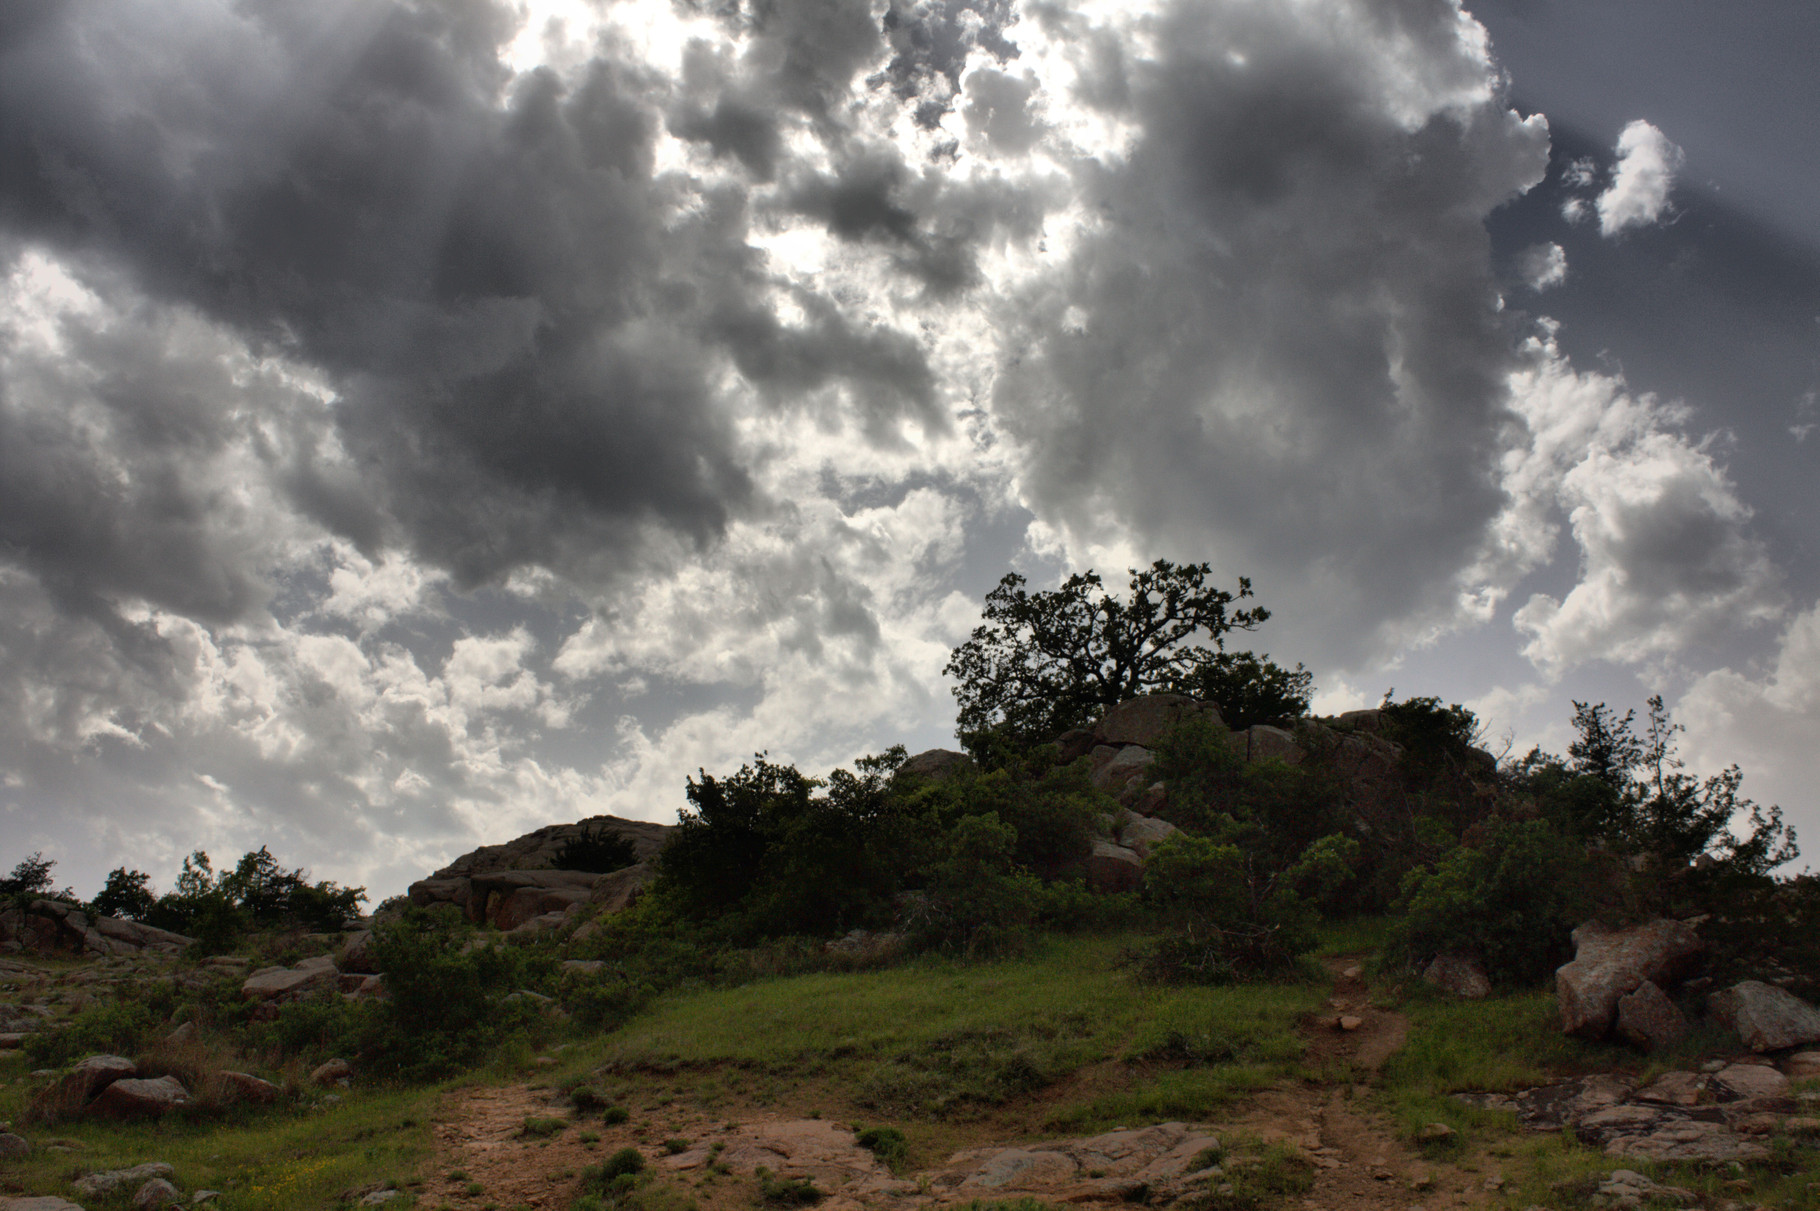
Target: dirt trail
(1359,1162)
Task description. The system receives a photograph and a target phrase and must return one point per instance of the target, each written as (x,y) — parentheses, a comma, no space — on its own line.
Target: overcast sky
(421,422)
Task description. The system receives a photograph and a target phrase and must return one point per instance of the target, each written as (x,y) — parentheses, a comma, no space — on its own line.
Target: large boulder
(1608,963)
(1266,743)
(286,983)
(108,1181)
(622,888)
(55,928)
(357,953)
(1128,768)
(538,850)
(94,1074)
(1148,719)
(428,892)
(1459,974)
(1648,1019)
(556,889)
(934,765)
(1767,1018)
(245,1087)
(134,1098)
(527,903)
(1112,867)
(1141,834)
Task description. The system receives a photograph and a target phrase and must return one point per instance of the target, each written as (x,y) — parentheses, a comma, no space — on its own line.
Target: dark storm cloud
(1282,342)
(522,320)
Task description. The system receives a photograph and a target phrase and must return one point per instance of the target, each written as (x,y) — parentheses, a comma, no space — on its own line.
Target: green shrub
(600,850)
(787,1192)
(1249,689)
(447,1001)
(1226,919)
(886,1143)
(120,1026)
(543,1128)
(1512,900)
(612,1116)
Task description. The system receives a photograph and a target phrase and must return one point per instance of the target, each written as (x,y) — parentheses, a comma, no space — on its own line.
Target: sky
(426,420)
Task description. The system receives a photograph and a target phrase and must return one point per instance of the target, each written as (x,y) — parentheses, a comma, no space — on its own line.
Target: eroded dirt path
(1358,1160)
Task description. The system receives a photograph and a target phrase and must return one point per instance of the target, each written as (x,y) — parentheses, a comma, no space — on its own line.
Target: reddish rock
(1648,1019)
(245,1087)
(1459,974)
(621,888)
(156,1193)
(1266,743)
(935,765)
(1802,1066)
(332,1072)
(1112,868)
(96,1073)
(272,983)
(132,1098)
(1611,962)
(1766,1017)
(1074,744)
(1145,721)
(1141,834)
(1129,765)
(1751,1081)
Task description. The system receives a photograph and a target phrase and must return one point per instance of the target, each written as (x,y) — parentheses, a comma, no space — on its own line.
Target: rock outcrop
(538,850)
(1648,1019)
(54,928)
(934,765)
(1608,963)
(514,886)
(1767,1018)
(1715,1117)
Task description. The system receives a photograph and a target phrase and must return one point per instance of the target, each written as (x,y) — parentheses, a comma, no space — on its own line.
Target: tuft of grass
(787,1192)
(887,1144)
(1260,1176)
(297,1159)
(612,1116)
(543,1128)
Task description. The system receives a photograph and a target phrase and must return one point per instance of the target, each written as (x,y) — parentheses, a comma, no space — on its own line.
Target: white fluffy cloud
(1541,266)
(536,413)
(1667,560)
(1763,720)
(1641,179)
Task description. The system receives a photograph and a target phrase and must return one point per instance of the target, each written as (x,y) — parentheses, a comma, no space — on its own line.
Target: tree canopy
(1043,662)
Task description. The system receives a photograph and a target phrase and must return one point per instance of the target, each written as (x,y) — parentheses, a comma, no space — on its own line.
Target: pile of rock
(1619,980)
(1620,983)
(353,977)
(1725,1112)
(54,928)
(109,1086)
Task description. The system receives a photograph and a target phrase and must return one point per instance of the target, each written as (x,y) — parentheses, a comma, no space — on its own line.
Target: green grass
(936,1038)
(277,1160)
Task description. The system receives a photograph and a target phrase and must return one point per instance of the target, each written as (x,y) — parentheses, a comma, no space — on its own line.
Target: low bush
(1512,900)
(887,1144)
(1227,919)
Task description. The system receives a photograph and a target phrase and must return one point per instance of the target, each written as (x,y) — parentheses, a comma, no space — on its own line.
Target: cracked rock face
(1681,1116)
(1112,1165)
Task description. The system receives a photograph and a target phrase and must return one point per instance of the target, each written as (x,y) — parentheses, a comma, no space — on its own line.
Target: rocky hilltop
(518,886)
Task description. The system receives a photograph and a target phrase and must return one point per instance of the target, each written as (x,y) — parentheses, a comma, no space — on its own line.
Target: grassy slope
(935,1038)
